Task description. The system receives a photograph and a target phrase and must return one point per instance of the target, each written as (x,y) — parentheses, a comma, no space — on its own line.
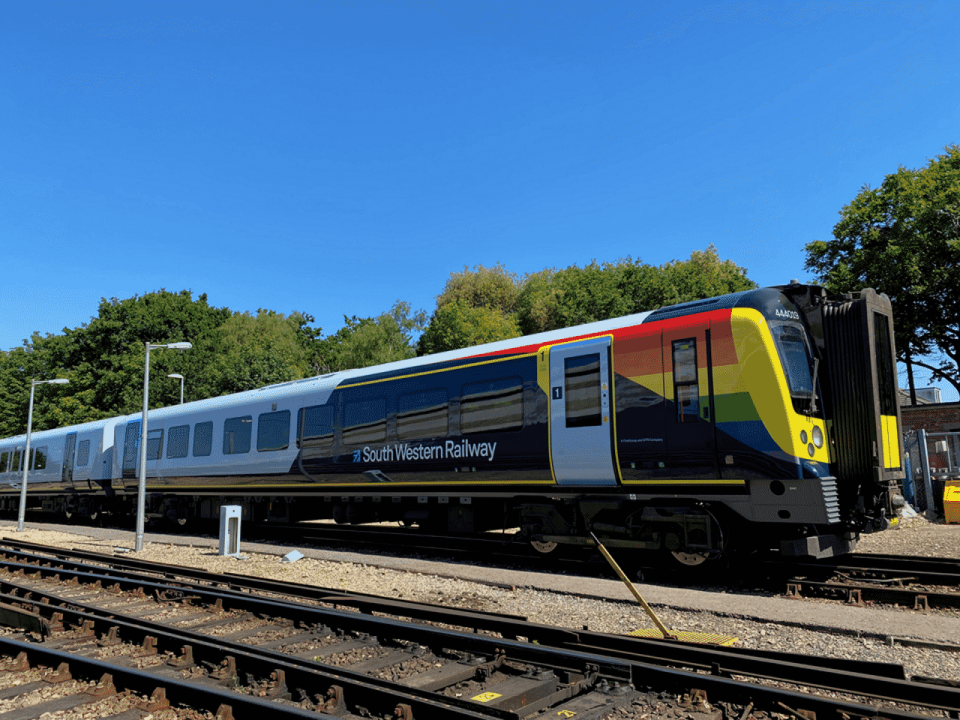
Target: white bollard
(230,530)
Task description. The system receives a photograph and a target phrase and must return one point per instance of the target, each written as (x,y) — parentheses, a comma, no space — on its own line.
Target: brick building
(943,452)
(933,417)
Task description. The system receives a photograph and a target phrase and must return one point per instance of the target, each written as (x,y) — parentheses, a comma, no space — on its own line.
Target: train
(762,420)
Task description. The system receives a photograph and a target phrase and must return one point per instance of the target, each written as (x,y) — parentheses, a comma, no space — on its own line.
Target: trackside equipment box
(230,530)
(951,502)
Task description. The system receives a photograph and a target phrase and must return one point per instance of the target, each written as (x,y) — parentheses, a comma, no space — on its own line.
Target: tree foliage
(104,359)
(903,239)
(484,305)
(363,342)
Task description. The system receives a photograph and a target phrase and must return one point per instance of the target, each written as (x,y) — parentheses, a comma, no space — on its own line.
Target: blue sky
(334,157)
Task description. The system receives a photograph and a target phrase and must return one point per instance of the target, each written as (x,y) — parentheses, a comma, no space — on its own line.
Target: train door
(131,454)
(69,447)
(581,421)
(691,430)
(105,452)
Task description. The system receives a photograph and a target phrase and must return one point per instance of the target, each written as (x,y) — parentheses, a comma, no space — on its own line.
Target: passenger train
(766,419)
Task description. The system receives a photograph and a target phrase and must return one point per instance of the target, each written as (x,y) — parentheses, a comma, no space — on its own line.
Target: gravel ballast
(818,628)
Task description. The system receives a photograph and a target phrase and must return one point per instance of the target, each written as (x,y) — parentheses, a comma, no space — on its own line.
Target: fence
(931,460)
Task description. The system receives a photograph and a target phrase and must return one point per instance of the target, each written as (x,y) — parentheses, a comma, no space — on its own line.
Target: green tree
(363,342)
(555,299)
(476,306)
(253,351)
(903,239)
(704,275)
(458,324)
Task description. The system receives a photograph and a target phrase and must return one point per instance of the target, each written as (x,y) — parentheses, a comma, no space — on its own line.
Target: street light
(178,376)
(26,453)
(142,485)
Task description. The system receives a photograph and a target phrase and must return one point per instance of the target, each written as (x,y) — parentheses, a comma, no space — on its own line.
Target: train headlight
(817,436)
(803,436)
(811,451)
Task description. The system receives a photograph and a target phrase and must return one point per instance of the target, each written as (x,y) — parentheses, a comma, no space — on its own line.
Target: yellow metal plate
(485,697)
(691,637)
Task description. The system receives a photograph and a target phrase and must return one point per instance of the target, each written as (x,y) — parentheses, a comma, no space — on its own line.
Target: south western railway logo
(449,450)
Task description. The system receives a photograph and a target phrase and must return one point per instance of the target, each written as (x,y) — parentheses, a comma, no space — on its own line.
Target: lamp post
(142,484)
(178,376)
(26,451)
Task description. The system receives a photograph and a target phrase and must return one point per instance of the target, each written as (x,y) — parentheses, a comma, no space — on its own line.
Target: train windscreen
(794,352)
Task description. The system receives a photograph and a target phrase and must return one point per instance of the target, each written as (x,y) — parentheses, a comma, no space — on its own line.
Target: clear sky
(334,157)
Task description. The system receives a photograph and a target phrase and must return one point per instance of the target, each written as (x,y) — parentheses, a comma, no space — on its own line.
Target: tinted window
(792,346)
(236,435)
(364,422)
(886,379)
(202,439)
(83,453)
(131,445)
(40,458)
(3,461)
(581,380)
(422,414)
(154,443)
(16,460)
(273,431)
(178,441)
(492,406)
(685,385)
(316,427)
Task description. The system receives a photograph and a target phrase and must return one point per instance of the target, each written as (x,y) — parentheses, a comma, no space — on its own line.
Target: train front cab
(856,363)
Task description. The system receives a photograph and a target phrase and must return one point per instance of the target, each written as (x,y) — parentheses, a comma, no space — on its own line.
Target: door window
(581,380)
(685,385)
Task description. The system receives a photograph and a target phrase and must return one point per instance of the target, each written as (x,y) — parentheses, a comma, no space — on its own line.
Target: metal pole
(26,463)
(929,506)
(181,389)
(142,484)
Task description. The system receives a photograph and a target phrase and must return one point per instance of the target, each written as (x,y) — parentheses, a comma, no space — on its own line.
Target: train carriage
(767,418)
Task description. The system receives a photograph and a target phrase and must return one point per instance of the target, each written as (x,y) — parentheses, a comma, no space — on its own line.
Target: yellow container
(951,502)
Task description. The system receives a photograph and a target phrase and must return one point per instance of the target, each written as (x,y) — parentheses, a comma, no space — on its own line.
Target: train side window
(492,406)
(83,453)
(273,431)
(203,439)
(178,441)
(581,379)
(237,433)
(423,414)
(315,425)
(364,422)
(886,382)
(15,465)
(3,461)
(686,389)
(40,458)
(154,444)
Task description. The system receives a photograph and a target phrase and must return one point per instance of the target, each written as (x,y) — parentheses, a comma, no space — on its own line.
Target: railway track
(917,583)
(235,646)
(911,582)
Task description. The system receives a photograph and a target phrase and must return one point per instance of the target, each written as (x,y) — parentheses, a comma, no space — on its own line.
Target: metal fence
(931,460)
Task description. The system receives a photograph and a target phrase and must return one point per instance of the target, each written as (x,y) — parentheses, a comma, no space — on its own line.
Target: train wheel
(544,548)
(340,514)
(688,559)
